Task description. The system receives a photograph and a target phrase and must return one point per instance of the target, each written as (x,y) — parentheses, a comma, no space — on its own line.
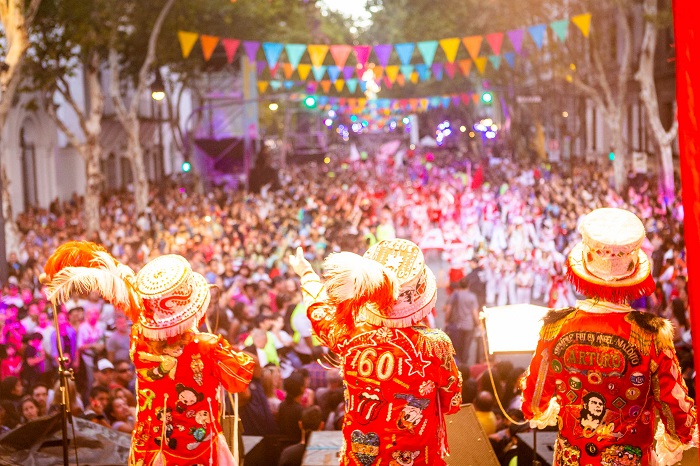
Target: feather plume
(72,254)
(356,281)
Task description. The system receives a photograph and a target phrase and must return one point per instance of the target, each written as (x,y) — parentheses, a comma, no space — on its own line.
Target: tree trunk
(134,153)
(92,153)
(617,147)
(666,180)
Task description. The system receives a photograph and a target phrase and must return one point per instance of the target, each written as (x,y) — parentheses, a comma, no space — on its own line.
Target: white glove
(299,263)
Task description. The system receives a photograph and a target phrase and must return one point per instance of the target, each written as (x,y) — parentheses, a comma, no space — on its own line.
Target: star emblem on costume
(419,363)
(393,262)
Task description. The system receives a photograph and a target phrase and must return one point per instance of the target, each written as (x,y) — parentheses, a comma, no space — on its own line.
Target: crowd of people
(504,229)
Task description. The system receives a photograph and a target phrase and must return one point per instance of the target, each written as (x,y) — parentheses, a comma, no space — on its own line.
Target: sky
(353,8)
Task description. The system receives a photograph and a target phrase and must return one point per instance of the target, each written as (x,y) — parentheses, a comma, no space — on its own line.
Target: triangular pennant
(583,22)
(333,73)
(276,85)
(405,52)
(509,57)
(465,66)
(230,46)
(288,85)
(304,69)
(362,53)
(262,86)
(360,70)
(427,49)
(351,84)
(208,45)
(450,69)
(288,70)
(274,69)
(340,54)
(378,72)
(311,87)
(445,101)
(389,84)
(391,72)
(423,103)
(560,28)
(406,70)
(294,53)
(495,61)
(414,77)
(272,50)
(473,45)
(516,38)
(318,54)
(326,86)
(423,71)
(323,100)
(251,50)
(401,80)
(318,72)
(455,100)
(475,98)
(383,53)
(450,47)
(465,98)
(537,32)
(260,66)
(339,84)
(348,71)
(480,63)
(495,41)
(187,41)
(437,71)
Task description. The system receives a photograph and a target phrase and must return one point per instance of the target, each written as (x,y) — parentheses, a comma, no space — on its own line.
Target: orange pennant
(473,45)
(326,85)
(288,70)
(340,54)
(304,69)
(187,41)
(465,66)
(378,72)
(480,63)
(401,80)
(208,45)
(476,98)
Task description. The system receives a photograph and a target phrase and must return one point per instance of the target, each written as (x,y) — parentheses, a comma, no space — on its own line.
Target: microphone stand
(65,374)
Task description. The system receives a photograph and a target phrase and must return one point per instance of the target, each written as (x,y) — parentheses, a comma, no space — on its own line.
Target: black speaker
(545,446)
(469,444)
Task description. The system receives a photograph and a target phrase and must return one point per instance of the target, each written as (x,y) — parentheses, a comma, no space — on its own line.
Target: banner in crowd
(482,50)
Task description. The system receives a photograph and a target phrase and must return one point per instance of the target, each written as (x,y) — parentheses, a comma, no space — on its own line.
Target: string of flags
(289,58)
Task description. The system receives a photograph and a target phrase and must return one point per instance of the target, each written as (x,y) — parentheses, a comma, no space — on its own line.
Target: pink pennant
(450,69)
(230,46)
(362,53)
(495,40)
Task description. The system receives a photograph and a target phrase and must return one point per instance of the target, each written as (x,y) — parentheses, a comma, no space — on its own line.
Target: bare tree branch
(626,60)
(72,137)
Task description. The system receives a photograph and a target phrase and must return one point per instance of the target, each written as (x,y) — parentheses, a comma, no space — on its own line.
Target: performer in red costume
(603,371)
(178,368)
(400,376)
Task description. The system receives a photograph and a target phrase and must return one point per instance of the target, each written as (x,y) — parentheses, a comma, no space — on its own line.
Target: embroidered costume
(603,371)
(178,369)
(400,376)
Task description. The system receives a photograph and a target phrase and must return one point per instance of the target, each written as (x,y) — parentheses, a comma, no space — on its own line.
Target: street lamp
(158,94)
(157,87)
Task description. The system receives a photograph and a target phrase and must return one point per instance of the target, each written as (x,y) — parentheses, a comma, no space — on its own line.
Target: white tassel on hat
(354,279)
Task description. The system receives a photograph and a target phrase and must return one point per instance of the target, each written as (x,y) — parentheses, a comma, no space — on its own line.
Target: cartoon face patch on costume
(365,447)
(412,413)
(403,458)
(169,428)
(203,418)
(186,397)
(621,455)
(370,402)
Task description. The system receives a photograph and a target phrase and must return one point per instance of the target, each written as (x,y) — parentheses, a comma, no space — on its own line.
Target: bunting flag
(317,53)
(465,98)
(274,69)
(251,50)
(360,70)
(391,72)
(516,39)
(450,47)
(333,73)
(339,84)
(187,41)
(340,54)
(560,28)
(276,85)
(348,71)
(509,57)
(427,50)
(465,66)
(326,85)
(406,70)
(450,69)
(318,72)
(473,45)
(401,80)
(423,71)
(383,53)
(583,22)
(495,61)
(294,54)
(362,53)
(480,63)
(537,33)
(272,51)
(312,86)
(288,85)
(351,84)
(288,70)
(495,41)
(387,83)
(304,70)
(378,72)
(437,71)
(260,67)
(404,51)
(446,101)
(475,98)
(414,77)
(262,86)
(231,46)
(208,44)
(455,100)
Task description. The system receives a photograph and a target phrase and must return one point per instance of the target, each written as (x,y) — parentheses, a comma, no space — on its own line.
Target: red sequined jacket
(177,389)
(610,369)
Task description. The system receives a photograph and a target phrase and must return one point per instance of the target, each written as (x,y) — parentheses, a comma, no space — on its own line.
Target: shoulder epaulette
(434,342)
(553,321)
(660,328)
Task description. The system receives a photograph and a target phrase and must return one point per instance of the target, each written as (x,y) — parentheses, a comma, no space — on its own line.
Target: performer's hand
(299,263)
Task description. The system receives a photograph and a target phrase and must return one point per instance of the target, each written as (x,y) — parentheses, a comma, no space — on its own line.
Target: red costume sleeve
(234,369)
(450,393)
(538,389)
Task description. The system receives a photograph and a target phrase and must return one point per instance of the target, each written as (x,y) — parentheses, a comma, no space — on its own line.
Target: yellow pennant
(414,77)
(583,22)
(339,83)
(304,69)
(450,47)
(262,86)
(187,40)
(317,54)
(480,63)
(392,72)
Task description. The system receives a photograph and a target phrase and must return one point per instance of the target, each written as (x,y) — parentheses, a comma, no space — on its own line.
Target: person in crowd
(469,384)
(75,402)
(462,317)
(90,341)
(331,395)
(597,359)
(117,344)
(98,400)
(11,365)
(483,407)
(9,419)
(290,409)
(40,393)
(255,412)
(120,415)
(29,409)
(311,421)
(12,391)
(270,375)
(34,364)
(124,376)
(69,341)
